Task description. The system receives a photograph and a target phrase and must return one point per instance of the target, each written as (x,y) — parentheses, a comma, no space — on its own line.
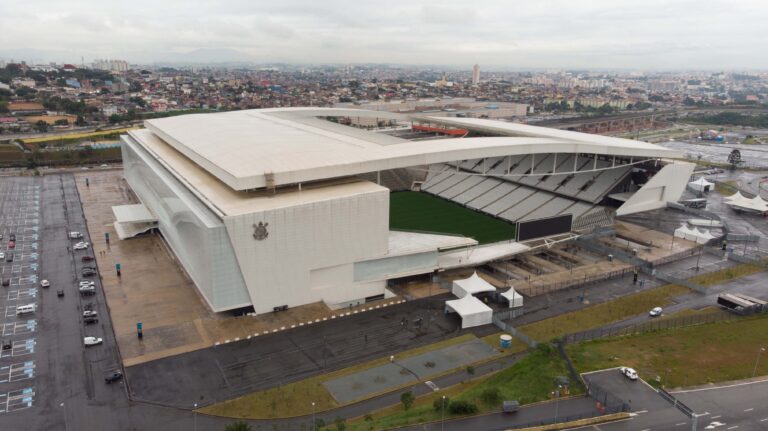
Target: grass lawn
(727,274)
(295,399)
(685,356)
(529,380)
(726,188)
(604,313)
(416,211)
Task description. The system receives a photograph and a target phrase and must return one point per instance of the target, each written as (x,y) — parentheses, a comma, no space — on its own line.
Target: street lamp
(442,418)
(557,400)
(194,417)
(313,416)
(754,371)
(66,427)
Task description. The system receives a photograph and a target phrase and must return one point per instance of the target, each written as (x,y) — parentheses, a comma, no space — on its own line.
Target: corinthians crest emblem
(260,231)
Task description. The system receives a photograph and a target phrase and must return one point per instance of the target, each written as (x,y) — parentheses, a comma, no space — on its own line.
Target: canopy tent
(693,234)
(514,298)
(471,286)
(472,311)
(738,201)
(700,185)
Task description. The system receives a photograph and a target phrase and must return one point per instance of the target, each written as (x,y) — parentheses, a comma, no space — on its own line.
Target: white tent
(471,286)
(693,234)
(515,299)
(472,311)
(738,201)
(700,185)
(683,231)
(704,236)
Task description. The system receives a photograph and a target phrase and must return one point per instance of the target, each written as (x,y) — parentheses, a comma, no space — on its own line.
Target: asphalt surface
(740,405)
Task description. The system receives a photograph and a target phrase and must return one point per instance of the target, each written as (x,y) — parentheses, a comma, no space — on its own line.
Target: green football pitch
(422,212)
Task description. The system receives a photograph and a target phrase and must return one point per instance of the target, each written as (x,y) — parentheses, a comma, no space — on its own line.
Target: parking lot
(46,372)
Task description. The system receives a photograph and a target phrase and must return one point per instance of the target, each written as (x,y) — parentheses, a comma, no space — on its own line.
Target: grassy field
(726,188)
(530,380)
(717,277)
(604,313)
(415,211)
(78,136)
(296,398)
(685,356)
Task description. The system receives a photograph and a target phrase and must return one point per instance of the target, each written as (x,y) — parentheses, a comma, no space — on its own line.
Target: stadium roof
(244,148)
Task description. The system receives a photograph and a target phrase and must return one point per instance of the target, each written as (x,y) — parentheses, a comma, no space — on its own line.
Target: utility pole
(442,418)
(194,418)
(757,361)
(313,416)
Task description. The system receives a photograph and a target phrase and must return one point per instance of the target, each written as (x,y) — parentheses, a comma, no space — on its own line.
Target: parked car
(85,291)
(11,244)
(60,292)
(89,267)
(75,235)
(80,246)
(45,283)
(92,341)
(90,313)
(88,272)
(12,237)
(5,281)
(7,345)
(629,373)
(656,312)
(113,377)
(86,258)
(90,320)
(9,257)
(2,255)
(87,283)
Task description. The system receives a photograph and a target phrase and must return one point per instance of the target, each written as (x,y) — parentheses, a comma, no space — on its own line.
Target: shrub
(491,396)
(461,407)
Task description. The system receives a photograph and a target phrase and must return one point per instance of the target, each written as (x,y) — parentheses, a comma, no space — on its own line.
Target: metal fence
(608,401)
(506,327)
(676,403)
(576,281)
(567,418)
(655,325)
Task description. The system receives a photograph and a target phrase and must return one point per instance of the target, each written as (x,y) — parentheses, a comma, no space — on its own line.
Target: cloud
(496,33)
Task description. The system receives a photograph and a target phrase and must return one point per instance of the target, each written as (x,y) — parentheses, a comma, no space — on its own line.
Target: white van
(25,309)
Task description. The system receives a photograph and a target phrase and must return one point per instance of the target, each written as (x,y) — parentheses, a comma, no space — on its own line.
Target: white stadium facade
(288,206)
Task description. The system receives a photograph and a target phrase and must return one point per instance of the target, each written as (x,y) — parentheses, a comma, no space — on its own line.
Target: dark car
(12,237)
(9,257)
(86,258)
(6,344)
(92,268)
(88,273)
(113,377)
(90,320)
(60,292)
(5,282)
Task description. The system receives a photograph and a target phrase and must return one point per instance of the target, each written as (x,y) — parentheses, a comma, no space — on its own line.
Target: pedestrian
(366,338)
(725,244)
(634,276)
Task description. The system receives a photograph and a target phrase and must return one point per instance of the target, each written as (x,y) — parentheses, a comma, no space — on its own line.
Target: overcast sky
(644,34)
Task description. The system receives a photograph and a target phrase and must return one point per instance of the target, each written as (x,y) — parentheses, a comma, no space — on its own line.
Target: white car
(656,312)
(629,373)
(92,341)
(87,283)
(90,313)
(75,235)
(2,255)
(80,246)
(87,288)
(45,283)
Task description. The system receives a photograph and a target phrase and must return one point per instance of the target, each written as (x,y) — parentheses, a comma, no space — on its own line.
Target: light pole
(442,418)
(557,400)
(66,426)
(313,416)
(194,417)
(757,361)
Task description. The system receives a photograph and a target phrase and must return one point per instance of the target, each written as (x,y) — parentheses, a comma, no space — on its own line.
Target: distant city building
(476,75)
(110,65)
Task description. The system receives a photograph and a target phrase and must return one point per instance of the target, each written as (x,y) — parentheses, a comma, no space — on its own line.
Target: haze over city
(691,35)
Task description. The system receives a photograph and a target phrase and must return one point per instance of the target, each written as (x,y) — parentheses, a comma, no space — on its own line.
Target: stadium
(276,208)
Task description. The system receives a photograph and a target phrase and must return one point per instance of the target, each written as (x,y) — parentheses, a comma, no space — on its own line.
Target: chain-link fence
(655,325)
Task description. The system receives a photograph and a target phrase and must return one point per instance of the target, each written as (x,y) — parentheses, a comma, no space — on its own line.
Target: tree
(470,370)
(238,426)
(80,121)
(441,402)
(491,396)
(407,399)
(62,122)
(368,420)
(41,126)
(735,159)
